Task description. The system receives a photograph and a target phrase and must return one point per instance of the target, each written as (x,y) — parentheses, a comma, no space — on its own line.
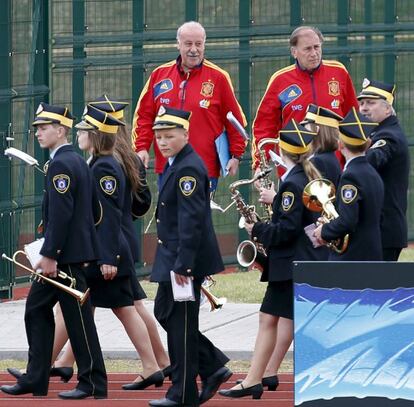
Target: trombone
(79,295)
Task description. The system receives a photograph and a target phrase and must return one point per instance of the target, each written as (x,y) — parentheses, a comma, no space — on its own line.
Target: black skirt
(114,293)
(137,291)
(278,299)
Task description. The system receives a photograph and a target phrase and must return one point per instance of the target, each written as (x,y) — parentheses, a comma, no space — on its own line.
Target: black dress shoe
(255,391)
(271,382)
(156,378)
(15,372)
(212,383)
(19,389)
(65,373)
(167,372)
(77,394)
(169,403)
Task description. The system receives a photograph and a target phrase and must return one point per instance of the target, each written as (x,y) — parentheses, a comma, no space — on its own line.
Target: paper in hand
(309,232)
(182,292)
(32,251)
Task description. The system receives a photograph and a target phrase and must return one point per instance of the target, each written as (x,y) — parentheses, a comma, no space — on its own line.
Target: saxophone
(247,251)
(265,182)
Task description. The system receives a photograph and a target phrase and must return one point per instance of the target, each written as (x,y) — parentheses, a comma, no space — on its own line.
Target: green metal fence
(70,51)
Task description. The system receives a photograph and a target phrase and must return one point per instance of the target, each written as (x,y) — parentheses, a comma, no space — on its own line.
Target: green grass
(239,287)
(245,287)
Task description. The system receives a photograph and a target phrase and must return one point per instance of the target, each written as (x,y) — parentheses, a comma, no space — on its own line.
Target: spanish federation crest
(287,200)
(348,193)
(108,184)
(207,89)
(187,185)
(61,183)
(333,88)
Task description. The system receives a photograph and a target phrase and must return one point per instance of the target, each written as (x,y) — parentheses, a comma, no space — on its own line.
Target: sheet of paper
(309,232)
(182,292)
(32,251)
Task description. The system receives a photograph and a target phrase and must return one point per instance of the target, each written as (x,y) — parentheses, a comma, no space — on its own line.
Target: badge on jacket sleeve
(348,193)
(187,185)
(108,184)
(287,200)
(61,183)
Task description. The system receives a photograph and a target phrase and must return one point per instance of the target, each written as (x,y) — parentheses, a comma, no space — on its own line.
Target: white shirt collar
(284,176)
(53,153)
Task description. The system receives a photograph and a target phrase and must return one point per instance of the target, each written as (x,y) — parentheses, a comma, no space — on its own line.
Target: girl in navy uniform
(284,239)
(325,124)
(359,186)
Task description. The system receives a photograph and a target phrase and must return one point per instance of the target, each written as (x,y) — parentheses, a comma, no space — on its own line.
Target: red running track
(117,397)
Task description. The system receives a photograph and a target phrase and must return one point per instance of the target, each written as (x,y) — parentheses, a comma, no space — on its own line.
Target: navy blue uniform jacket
(69,230)
(284,237)
(359,204)
(186,237)
(110,184)
(390,157)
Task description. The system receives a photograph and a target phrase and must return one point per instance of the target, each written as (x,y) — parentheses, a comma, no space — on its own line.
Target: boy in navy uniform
(359,186)
(70,243)
(187,245)
(389,155)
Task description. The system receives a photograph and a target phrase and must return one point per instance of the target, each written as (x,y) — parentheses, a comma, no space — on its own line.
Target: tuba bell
(318,196)
(79,295)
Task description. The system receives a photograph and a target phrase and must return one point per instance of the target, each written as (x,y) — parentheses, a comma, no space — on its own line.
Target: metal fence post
(6,53)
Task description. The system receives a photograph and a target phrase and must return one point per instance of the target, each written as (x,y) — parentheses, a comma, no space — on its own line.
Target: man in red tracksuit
(310,80)
(194,84)
(288,94)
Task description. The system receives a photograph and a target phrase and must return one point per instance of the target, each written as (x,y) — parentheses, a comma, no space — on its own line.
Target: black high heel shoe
(65,373)
(156,378)
(167,372)
(255,391)
(271,382)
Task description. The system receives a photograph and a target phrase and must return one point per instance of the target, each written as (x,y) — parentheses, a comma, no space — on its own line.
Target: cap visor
(84,126)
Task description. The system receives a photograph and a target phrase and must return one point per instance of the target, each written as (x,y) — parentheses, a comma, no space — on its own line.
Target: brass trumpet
(79,295)
(215,303)
(318,196)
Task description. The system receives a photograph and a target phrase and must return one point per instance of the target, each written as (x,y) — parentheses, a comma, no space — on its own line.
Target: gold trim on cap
(351,140)
(325,121)
(387,95)
(106,128)
(173,119)
(293,149)
(45,115)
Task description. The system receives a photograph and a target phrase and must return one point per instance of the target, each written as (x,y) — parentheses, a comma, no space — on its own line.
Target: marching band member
(70,242)
(359,186)
(187,252)
(284,239)
(325,124)
(390,156)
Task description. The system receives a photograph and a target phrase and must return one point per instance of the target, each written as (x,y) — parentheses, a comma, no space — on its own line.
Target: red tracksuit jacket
(206,92)
(289,92)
